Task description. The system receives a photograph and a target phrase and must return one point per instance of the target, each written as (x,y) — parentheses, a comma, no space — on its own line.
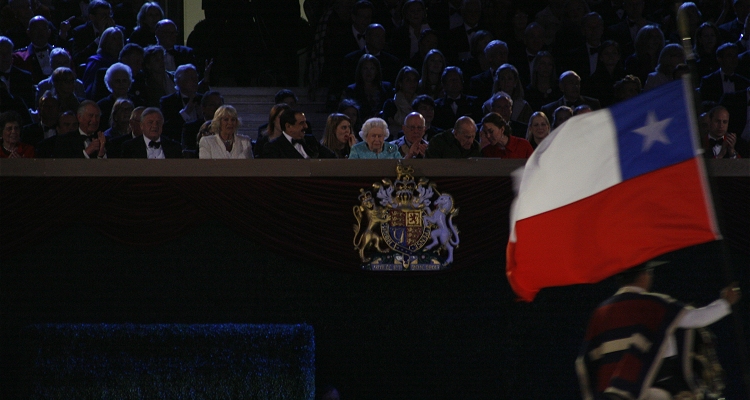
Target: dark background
(458,334)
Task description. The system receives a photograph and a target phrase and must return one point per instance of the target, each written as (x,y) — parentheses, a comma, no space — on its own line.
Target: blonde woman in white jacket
(225,143)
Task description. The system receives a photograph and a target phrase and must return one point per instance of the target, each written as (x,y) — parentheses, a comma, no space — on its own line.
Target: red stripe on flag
(611,231)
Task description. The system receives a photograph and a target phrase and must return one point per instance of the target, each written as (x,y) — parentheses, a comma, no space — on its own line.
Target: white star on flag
(653,131)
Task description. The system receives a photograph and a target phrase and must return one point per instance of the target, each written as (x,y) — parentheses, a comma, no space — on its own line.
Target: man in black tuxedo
(18,81)
(49,112)
(176,55)
(374,44)
(114,146)
(86,142)
(343,38)
(455,104)
(459,39)
(625,31)
(521,58)
(151,144)
(35,58)
(66,123)
(725,80)
(737,105)
(82,40)
(183,105)
(584,58)
(480,85)
(731,31)
(570,85)
(425,105)
(293,142)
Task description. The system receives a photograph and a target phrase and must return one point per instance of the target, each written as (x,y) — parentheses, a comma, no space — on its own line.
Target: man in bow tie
(293,142)
(585,56)
(18,82)
(151,144)
(725,80)
(455,103)
(459,39)
(49,112)
(719,143)
(35,58)
(86,142)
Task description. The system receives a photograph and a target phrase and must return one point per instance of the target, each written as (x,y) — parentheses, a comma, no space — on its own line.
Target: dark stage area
(453,334)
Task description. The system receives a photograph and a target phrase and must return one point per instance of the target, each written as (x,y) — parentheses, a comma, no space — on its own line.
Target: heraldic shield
(400,231)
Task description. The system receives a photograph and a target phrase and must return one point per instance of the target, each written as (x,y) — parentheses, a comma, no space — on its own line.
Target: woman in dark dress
(543,88)
(369,89)
(148,16)
(338,135)
(608,71)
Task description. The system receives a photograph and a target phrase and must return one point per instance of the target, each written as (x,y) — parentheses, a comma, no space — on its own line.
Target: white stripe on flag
(586,148)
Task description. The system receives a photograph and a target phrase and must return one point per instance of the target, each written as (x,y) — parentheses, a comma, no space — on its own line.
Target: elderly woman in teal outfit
(374,132)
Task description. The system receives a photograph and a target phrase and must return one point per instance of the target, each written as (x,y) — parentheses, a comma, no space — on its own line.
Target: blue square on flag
(654,130)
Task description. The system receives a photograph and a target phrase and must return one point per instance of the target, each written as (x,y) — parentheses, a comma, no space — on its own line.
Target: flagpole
(727,264)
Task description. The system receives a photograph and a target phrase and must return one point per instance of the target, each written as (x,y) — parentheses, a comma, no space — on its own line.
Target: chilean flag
(609,190)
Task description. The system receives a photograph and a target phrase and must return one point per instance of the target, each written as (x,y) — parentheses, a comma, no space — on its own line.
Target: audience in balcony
(412,144)
(596,49)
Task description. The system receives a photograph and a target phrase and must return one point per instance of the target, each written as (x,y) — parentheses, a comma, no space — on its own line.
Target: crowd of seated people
(405,78)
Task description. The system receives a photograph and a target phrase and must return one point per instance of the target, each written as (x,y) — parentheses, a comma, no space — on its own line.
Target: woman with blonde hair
(225,142)
(539,128)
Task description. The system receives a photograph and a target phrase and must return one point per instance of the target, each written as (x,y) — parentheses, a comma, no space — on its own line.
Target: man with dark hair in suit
(49,112)
(480,85)
(374,44)
(570,85)
(343,38)
(66,123)
(293,142)
(425,106)
(86,142)
(584,58)
(114,146)
(83,40)
(151,144)
(183,105)
(455,104)
(725,80)
(731,31)
(719,143)
(459,39)
(521,58)
(166,36)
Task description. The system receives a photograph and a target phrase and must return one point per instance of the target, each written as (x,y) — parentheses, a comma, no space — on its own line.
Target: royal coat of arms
(401,227)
